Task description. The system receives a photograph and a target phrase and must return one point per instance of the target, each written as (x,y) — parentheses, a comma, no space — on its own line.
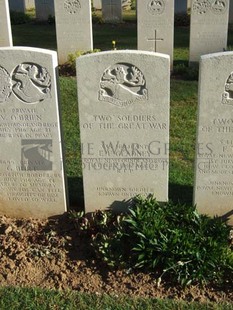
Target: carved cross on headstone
(155,39)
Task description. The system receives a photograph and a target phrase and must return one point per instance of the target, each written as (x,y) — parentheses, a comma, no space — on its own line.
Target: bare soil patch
(51,254)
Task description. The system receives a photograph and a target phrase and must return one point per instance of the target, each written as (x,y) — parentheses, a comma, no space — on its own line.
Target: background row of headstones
(124,109)
(155,20)
(44,8)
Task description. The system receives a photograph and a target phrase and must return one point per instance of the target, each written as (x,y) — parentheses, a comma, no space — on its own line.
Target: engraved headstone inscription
(208,29)
(155,25)
(123,101)
(17,5)
(73,27)
(31,162)
(213,190)
(5,24)
(112,11)
(44,9)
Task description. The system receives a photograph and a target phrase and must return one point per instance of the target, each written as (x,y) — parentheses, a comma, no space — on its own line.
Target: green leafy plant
(186,72)
(108,238)
(175,238)
(133,5)
(172,240)
(51,19)
(80,221)
(73,56)
(96,18)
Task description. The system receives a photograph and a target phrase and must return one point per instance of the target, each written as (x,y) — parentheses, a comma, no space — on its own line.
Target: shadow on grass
(181,193)
(75,192)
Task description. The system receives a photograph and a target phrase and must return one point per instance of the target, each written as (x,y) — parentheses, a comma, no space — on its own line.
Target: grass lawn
(182,144)
(37,299)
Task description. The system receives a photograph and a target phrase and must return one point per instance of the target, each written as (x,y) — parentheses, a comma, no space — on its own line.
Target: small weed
(51,20)
(73,56)
(187,73)
(96,18)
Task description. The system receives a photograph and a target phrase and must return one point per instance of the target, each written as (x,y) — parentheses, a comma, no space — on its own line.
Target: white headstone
(44,9)
(17,5)
(97,4)
(112,10)
(124,121)
(156,26)
(31,162)
(29,4)
(5,25)
(73,27)
(126,4)
(213,190)
(180,6)
(208,30)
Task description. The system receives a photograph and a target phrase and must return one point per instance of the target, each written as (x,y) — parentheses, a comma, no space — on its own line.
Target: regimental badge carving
(201,6)
(122,84)
(36,155)
(31,83)
(227,96)
(5,85)
(155,7)
(72,6)
(219,6)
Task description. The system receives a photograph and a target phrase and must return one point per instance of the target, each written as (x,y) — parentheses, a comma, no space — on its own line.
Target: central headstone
(213,190)
(5,25)
(112,10)
(156,26)
(208,30)
(124,121)
(73,27)
(31,163)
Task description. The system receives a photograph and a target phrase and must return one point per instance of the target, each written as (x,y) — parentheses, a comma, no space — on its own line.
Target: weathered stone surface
(73,27)
(208,31)
(124,121)
(112,11)
(97,4)
(5,25)
(31,163)
(156,26)
(213,191)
